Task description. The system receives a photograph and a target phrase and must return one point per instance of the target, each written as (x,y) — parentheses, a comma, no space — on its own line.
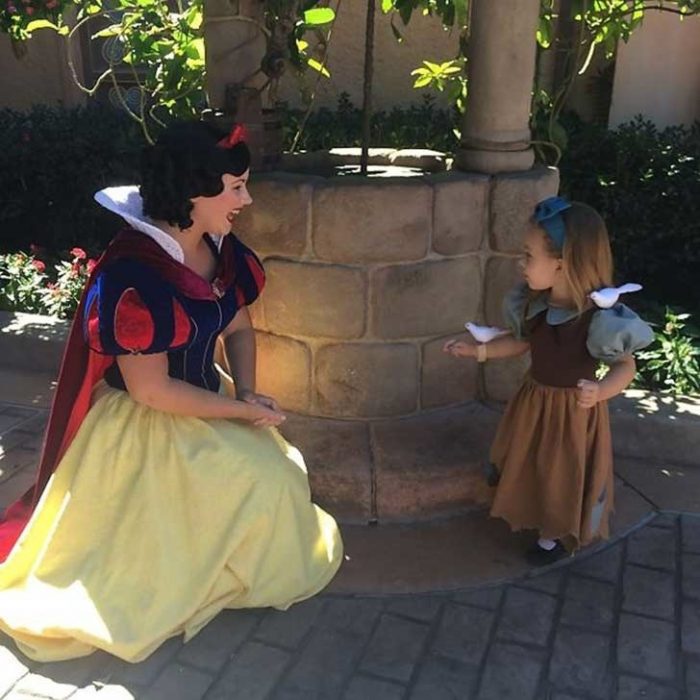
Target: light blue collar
(556,315)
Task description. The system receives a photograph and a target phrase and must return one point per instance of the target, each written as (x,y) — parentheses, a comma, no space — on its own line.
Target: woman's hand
(588,393)
(459,348)
(259,399)
(262,415)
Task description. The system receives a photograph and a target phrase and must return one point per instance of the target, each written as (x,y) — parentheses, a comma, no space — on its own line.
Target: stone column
(501,66)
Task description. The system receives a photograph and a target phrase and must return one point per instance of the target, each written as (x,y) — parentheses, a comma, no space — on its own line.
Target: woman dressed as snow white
(159,500)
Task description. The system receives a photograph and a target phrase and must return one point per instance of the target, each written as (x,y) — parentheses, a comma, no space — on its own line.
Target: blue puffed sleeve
(514,305)
(616,332)
(130,310)
(249,273)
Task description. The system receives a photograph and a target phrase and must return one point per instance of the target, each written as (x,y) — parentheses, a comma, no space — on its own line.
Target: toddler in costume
(552,455)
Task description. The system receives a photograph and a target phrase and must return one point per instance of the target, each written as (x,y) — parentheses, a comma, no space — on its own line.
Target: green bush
(52,161)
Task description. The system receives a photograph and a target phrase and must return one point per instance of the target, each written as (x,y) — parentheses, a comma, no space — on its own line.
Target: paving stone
(394,648)
(445,679)
(527,617)
(105,692)
(588,603)
(35,685)
(145,672)
(692,679)
(251,675)
(287,628)
(667,520)
(11,669)
(629,688)
(691,575)
(690,627)
(604,565)
(649,592)
(178,682)
(690,529)
(324,667)
(217,642)
(580,662)
(652,546)
(511,672)
(362,688)
(463,633)
(423,608)
(489,598)
(646,644)
(352,615)
(547,583)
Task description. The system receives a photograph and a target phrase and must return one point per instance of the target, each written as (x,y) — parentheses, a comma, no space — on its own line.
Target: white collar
(125,201)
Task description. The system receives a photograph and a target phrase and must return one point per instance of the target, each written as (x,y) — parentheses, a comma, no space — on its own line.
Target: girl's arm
(615,381)
(505,346)
(148,383)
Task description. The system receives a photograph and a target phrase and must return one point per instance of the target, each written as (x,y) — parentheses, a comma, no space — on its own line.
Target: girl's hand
(258,399)
(262,416)
(588,393)
(459,348)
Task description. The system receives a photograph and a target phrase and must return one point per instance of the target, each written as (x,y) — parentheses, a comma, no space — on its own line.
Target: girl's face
(540,268)
(215,215)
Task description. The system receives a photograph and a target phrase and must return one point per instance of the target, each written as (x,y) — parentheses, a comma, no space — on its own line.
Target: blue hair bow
(548,215)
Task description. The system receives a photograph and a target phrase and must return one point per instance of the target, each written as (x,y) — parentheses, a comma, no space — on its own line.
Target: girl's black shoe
(538,556)
(492,474)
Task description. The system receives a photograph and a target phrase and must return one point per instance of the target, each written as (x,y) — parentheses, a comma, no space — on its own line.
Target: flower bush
(19,18)
(25,284)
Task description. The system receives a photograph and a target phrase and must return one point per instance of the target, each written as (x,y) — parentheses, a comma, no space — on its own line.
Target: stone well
(366,279)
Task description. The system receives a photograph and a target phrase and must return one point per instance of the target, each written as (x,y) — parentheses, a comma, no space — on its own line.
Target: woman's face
(215,215)
(540,268)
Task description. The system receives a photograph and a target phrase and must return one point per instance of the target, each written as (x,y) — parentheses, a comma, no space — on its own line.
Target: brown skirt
(555,465)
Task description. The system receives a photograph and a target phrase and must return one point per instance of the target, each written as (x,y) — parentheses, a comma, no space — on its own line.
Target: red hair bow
(238,135)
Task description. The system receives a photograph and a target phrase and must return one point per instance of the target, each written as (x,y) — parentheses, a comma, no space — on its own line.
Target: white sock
(547,545)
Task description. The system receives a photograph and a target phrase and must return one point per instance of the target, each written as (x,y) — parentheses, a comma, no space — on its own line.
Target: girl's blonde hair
(587,262)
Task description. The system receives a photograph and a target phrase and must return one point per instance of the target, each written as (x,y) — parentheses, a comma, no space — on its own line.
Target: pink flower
(39,265)
(90,265)
(51,4)
(78,254)
(29,10)
(12,9)
(75,269)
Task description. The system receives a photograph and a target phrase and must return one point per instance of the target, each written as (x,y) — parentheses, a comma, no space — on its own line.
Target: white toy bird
(607,298)
(485,334)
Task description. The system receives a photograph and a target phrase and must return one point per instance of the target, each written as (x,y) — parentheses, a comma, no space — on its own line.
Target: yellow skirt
(152,524)
(555,462)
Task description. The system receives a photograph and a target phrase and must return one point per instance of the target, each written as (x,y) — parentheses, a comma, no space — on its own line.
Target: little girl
(552,454)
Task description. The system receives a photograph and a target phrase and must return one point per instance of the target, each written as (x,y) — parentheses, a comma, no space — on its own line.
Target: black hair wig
(188,160)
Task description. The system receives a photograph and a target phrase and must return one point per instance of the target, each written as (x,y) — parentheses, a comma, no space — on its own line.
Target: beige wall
(657,73)
(41,76)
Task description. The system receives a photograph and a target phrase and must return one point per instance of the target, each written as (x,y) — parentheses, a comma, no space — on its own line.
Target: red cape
(82,367)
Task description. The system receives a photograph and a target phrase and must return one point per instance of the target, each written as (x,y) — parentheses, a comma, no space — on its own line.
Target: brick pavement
(622,623)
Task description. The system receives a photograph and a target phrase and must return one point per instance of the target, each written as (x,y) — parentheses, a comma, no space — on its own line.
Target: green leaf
(387,6)
(318,16)
(319,67)
(41,24)
(423,81)
(112,30)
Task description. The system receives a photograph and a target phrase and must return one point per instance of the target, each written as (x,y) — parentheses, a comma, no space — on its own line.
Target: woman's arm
(148,383)
(505,346)
(239,348)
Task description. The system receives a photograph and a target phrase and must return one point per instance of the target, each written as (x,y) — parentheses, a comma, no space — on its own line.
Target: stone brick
(511,672)
(653,547)
(463,634)
(692,679)
(211,648)
(588,603)
(489,598)
(354,615)
(604,565)
(145,672)
(690,527)
(546,583)
(278,221)
(394,648)
(385,221)
(420,607)
(691,575)
(425,299)
(315,300)
(252,673)
(664,520)
(179,682)
(460,213)
(690,630)
(527,616)
(324,667)
(445,379)
(338,458)
(501,275)
(362,688)
(580,661)
(432,463)
(442,678)
(503,378)
(513,200)
(367,379)
(648,592)
(288,628)
(646,644)
(284,371)
(629,688)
